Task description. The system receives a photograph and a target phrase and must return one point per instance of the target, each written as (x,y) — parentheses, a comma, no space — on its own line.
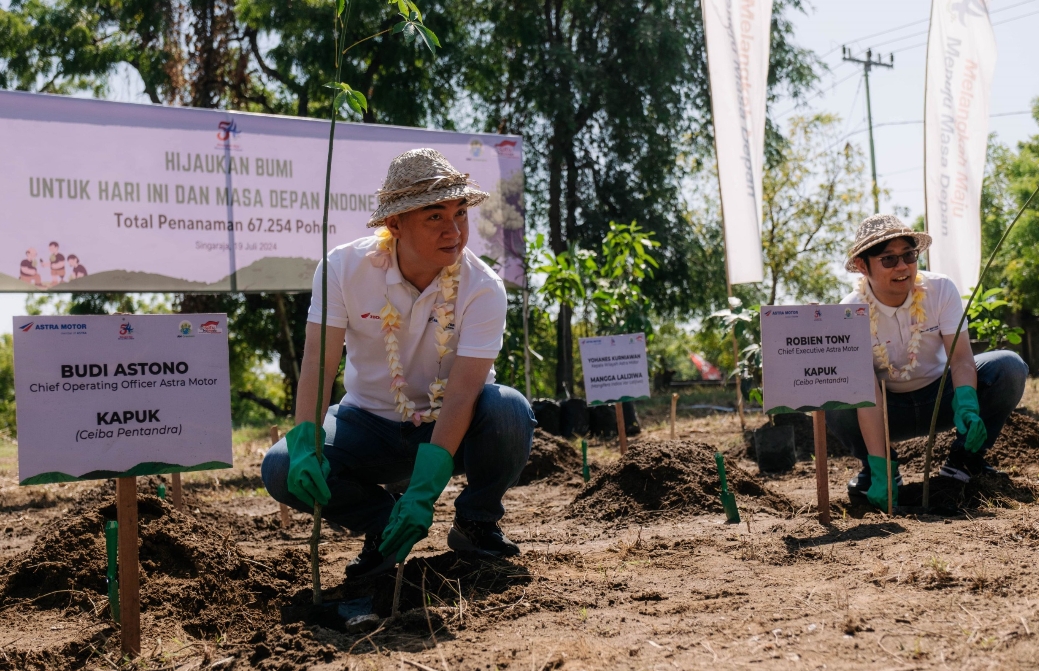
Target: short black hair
(72,256)
(878,249)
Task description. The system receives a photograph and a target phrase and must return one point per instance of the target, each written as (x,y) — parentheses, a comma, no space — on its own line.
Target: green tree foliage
(1011,177)
(607,96)
(7,419)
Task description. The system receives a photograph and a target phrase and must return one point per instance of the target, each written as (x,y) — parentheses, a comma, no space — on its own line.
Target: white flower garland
(918,317)
(444,312)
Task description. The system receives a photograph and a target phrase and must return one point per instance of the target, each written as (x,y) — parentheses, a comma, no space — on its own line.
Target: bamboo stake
(129,569)
(948,362)
(282,508)
(621,429)
(674,410)
(887,447)
(822,473)
(178,492)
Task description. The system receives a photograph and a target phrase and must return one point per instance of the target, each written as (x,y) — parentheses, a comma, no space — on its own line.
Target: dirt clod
(1018,444)
(669,477)
(552,459)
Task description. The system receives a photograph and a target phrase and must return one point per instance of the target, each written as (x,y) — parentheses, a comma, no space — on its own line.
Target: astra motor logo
(209,327)
(125,331)
(27,327)
(965,8)
(227,130)
(62,328)
(782,313)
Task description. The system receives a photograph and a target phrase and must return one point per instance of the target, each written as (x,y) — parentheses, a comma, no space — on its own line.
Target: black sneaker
(962,465)
(370,562)
(859,485)
(480,538)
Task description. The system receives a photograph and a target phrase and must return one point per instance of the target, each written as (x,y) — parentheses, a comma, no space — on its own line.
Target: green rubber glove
(306,476)
(413,513)
(967,415)
(877,493)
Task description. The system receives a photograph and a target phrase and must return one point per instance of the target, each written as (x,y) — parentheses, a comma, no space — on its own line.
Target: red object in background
(708,370)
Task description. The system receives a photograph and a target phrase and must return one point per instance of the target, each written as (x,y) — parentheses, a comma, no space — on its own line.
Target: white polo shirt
(943,307)
(357,292)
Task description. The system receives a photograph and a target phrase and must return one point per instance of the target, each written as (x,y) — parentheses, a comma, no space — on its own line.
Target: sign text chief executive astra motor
(422,318)
(913,319)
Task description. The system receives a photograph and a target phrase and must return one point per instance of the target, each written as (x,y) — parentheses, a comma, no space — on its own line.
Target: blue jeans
(367,451)
(1001,383)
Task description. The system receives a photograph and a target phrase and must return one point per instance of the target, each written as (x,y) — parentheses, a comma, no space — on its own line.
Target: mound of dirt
(552,459)
(190,570)
(1017,445)
(984,492)
(668,477)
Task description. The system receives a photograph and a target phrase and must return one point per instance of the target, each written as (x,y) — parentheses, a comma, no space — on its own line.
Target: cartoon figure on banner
(78,269)
(27,271)
(57,264)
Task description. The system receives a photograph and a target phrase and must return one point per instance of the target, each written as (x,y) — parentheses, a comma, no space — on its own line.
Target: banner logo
(184,330)
(27,327)
(818,315)
(125,331)
(227,130)
(209,327)
(965,8)
(506,148)
(860,312)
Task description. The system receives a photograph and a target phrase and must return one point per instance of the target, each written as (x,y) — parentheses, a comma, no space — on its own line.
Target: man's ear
(861,266)
(392,224)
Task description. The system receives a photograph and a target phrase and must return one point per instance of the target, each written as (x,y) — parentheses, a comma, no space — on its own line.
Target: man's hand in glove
(967,415)
(413,513)
(306,479)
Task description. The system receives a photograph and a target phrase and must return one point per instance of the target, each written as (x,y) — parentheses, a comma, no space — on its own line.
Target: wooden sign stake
(822,473)
(282,508)
(621,429)
(674,411)
(887,448)
(178,492)
(129,569)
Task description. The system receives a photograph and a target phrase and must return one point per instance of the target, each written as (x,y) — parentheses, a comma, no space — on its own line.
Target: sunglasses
(891,260)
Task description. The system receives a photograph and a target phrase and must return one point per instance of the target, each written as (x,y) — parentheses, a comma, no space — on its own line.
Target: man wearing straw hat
(422,318)
(913,319)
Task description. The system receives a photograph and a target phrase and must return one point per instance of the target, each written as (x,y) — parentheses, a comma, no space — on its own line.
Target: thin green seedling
(413,29)
(955,339)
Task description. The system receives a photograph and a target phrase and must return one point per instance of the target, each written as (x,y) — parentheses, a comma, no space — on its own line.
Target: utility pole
(867,64)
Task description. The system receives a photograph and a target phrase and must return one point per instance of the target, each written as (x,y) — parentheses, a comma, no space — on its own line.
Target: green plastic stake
(112,545)
(585,473)
(161,490)
(732,511)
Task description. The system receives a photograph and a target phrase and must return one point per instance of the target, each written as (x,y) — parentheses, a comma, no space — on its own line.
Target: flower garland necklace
(444,312)
(918,317)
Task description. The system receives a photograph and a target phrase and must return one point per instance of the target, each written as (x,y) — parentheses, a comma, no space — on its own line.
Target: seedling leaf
(340,6)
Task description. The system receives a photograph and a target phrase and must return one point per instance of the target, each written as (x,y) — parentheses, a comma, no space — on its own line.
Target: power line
(997,23)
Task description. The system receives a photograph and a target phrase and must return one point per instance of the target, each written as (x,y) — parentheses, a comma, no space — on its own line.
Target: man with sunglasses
(913,320)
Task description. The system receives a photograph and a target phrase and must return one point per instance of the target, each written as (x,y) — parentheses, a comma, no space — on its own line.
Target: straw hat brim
(473,197)
(923,241)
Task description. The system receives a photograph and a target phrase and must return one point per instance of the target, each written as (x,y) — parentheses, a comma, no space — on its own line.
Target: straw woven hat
(881,228)
(422,177)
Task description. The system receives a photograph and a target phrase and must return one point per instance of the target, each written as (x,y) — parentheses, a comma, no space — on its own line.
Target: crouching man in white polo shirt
(422,318)
(913,319)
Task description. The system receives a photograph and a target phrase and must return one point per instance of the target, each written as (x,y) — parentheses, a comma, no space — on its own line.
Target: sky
(897,94)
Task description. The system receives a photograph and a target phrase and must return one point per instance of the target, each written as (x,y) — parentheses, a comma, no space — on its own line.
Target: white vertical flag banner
(737,33)
(961,58)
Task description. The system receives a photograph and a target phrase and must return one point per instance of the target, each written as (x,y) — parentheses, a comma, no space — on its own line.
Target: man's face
(436,234)
(897,279)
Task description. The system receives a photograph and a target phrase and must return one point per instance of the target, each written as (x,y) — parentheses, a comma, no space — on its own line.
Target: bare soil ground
(636,570)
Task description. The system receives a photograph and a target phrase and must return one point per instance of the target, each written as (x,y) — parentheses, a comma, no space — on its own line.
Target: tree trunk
(558,242)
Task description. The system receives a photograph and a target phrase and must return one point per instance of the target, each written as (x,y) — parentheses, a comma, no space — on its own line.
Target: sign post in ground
(116,397)
(817,358)
(615,370)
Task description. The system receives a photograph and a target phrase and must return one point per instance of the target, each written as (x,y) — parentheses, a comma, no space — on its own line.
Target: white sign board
(113,396)
(816,357)
(615,368)
(148,198)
